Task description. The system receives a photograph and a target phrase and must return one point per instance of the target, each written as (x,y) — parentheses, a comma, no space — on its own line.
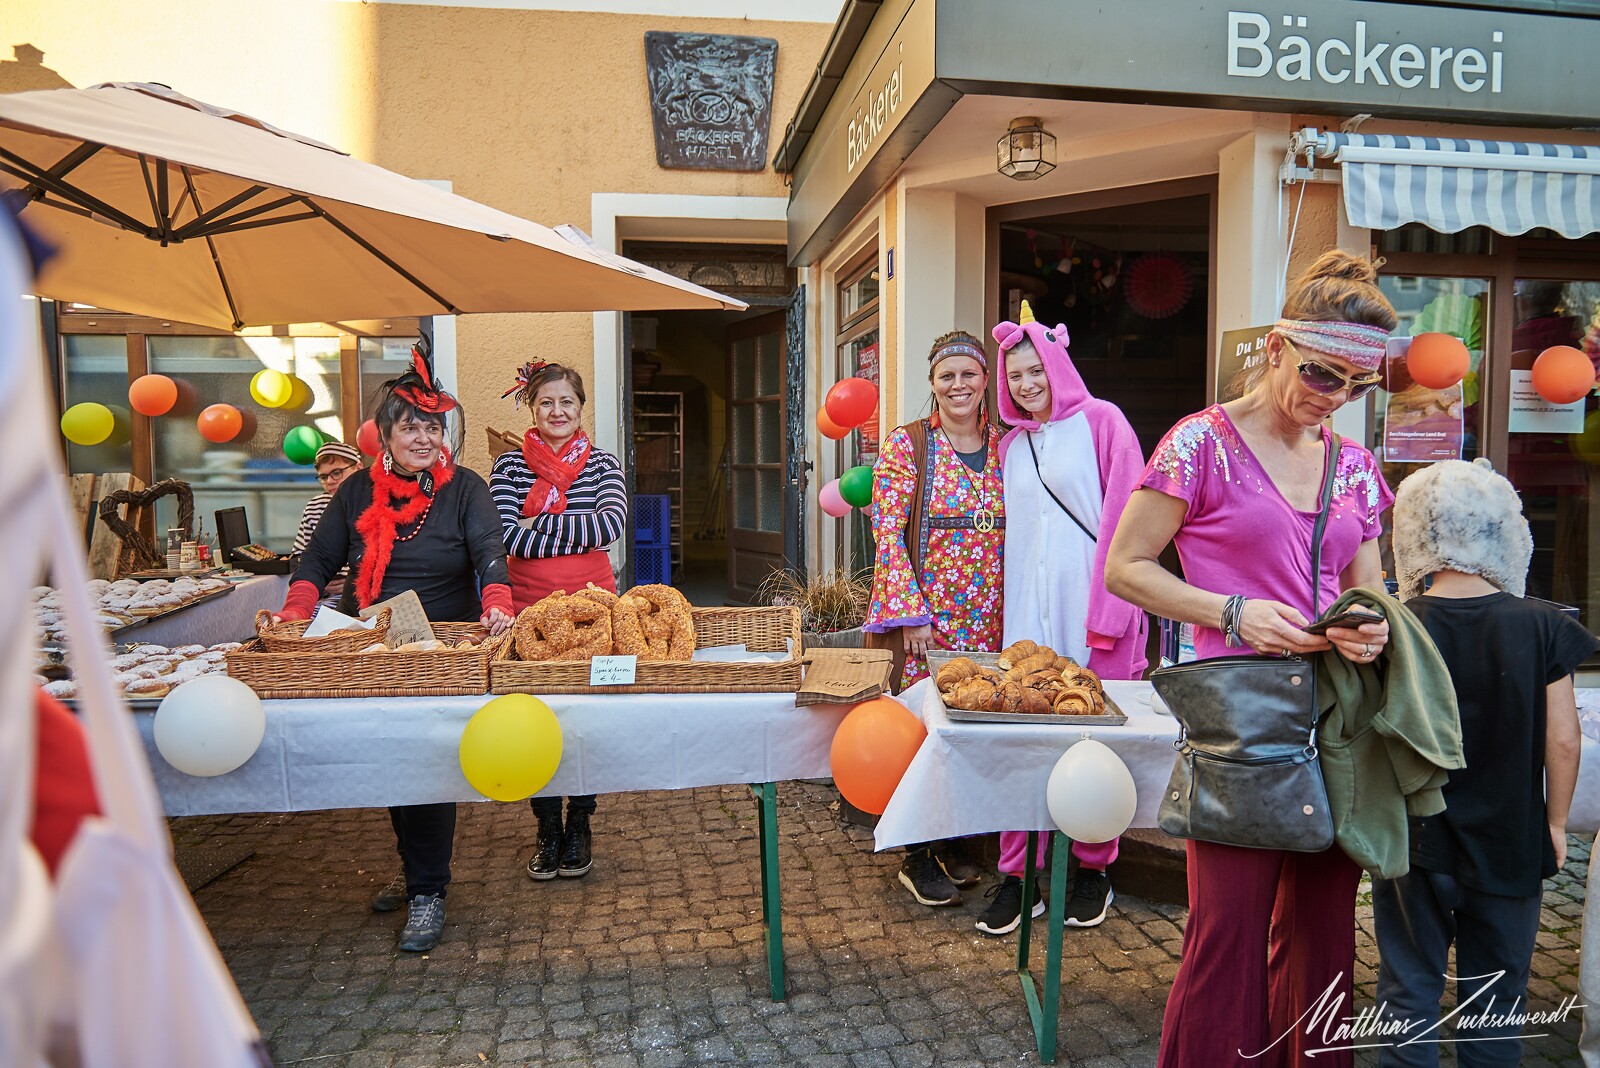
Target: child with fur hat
(1476,868)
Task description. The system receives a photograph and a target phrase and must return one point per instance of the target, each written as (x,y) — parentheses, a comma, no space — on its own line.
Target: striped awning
(1448,185)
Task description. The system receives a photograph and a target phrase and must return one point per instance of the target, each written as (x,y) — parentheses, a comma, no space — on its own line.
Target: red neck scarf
(396,502)
(553,474)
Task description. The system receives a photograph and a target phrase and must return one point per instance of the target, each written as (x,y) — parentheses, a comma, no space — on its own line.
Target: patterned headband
(1362,345)
(957,348)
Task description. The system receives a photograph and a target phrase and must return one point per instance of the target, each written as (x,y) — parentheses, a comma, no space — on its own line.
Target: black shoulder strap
(1321,525)
(1059,502)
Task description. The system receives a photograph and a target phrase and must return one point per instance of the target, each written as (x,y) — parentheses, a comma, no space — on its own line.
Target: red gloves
(497,595)
(301,602)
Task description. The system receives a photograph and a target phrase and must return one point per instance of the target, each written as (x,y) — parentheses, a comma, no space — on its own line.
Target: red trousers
(1269,933)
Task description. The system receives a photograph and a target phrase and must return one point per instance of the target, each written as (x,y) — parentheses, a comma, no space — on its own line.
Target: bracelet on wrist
(1232,616)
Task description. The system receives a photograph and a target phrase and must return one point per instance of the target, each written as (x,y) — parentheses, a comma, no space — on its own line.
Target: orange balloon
(1437,361)
(871,751)
(829,428)
(1562,374)
(153,394)
(219,423)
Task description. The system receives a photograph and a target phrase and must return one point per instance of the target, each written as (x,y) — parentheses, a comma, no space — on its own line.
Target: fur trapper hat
(1460,516)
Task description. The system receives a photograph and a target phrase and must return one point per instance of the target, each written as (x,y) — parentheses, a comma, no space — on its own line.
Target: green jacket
(1389,736)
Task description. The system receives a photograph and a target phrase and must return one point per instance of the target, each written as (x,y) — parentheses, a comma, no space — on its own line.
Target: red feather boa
(396,502)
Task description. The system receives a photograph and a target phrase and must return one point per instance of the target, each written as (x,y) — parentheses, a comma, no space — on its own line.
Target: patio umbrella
(171,207)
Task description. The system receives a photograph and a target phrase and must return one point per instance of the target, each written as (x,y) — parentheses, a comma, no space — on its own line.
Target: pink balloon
(831,502)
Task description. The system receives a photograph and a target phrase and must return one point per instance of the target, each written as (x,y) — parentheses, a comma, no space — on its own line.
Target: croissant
(1039,661)
(972,695)
(1017,651)
(1035,703)
(1079,701)
(1064,664)
(1082,676)
(956,671)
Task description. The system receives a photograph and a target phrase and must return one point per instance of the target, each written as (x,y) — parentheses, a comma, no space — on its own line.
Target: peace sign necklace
(984,521)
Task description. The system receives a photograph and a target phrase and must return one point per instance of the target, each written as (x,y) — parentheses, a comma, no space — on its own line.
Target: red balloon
(1437,361)
(829,428)
(153,394)
(871,751)
(367,438)
(219,423)
(1563,374)
(851,402)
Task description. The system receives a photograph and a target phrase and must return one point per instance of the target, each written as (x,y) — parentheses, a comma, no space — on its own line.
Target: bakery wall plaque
(710,99)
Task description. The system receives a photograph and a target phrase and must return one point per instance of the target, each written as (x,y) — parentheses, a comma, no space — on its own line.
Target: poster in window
(1532,414)
(1420,425)
(867,433)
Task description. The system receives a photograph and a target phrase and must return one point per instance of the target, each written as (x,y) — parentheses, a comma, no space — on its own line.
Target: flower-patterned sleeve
(1359,476)
(897,598)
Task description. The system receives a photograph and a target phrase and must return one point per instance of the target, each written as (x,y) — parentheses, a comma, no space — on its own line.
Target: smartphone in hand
(1350,617)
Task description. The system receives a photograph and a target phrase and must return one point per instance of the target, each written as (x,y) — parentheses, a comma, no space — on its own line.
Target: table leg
(1044,1013)
(771,906)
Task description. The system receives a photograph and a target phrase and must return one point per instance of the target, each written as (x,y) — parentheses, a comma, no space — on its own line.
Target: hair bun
(1338,263)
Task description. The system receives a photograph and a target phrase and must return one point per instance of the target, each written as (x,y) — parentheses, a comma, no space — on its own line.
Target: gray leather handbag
(1247,772)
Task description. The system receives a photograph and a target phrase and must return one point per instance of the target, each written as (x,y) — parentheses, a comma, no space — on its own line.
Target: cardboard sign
(612,670)
(844,676)
(407,621)
(1239,350)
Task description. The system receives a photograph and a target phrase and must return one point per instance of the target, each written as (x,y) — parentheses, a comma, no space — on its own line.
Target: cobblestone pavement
(655,959)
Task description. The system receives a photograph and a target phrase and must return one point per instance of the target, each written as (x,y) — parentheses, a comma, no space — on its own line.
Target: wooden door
(757,453)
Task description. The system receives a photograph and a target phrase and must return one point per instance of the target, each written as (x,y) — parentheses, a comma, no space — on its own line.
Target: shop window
(857,355)
(97,371)
(1553,458)
(383,358)
(251,470)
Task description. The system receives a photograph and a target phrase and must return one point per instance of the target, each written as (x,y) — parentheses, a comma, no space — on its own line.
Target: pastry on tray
(1030,678)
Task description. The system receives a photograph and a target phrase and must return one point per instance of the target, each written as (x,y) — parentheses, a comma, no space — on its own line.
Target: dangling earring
(444,455)
(388,462)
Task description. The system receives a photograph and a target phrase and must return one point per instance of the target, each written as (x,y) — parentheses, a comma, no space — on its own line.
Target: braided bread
(655,622)
(563,628)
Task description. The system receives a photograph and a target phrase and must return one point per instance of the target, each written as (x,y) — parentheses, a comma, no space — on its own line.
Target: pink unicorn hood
(1068,394)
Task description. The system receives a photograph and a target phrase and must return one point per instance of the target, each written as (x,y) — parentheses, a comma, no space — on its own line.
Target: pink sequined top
(1239,535)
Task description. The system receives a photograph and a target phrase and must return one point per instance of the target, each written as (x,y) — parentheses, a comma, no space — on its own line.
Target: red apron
(534,580)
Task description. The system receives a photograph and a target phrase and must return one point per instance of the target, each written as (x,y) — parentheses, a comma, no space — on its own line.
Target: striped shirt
(597,508)
(309,520)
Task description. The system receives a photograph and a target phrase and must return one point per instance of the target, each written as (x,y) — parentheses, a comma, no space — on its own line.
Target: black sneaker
(956,860)
(392,896)
(1005,912)
(546,860)
(424,923)
(576,858)
(1091,899)
(928,883)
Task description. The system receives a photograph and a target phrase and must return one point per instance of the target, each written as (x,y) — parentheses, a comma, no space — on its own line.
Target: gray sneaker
(424,923)
(392,896)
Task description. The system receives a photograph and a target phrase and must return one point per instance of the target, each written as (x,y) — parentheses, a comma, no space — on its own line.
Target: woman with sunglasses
(1236,488)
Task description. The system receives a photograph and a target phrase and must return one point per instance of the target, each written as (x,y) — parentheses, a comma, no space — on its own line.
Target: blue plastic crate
(652,520)
(652,565)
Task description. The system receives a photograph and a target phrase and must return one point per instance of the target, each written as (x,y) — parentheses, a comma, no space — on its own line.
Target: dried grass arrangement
(827,603)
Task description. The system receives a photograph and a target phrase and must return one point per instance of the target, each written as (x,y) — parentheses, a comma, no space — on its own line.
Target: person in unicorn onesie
(1070,463)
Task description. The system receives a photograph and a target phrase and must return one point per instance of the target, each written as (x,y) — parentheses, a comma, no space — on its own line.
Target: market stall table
(976,778)
(380,751)
(228,618)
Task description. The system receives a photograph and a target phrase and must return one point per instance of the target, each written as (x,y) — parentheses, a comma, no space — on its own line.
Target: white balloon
(1091,795)
(209,725)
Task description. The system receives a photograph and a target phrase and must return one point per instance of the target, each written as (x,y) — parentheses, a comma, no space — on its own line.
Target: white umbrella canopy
(169,207)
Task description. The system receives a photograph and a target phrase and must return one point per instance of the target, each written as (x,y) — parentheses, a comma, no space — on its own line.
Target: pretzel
(563,628)
(666,625)
(604,598)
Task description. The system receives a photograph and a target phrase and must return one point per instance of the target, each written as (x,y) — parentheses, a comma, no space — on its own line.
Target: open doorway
(710,425)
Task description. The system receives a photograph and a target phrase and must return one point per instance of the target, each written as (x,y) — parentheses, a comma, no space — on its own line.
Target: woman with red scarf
(413,521)
(561,502)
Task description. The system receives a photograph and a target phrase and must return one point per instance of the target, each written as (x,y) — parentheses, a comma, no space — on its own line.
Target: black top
(978,459)
(457,551)
(1502,651)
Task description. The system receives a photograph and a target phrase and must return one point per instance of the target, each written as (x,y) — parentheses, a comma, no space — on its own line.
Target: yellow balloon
(271,389)
(88,423)
(299,394)
(511,747)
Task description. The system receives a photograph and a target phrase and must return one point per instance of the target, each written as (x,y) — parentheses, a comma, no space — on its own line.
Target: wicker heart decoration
(146,554)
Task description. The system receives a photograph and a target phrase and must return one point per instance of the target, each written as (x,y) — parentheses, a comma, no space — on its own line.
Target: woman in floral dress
(941,584)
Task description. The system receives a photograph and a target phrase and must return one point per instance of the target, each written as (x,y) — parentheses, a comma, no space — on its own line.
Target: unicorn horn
(1027,314)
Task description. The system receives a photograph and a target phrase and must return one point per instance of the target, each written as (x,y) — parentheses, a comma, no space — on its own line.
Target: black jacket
(457,552)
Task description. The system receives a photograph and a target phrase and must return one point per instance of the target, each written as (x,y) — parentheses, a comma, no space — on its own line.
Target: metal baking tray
(139,621)
(1113,716)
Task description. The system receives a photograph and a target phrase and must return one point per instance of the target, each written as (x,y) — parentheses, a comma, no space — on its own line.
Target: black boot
(546,849)
(575,857)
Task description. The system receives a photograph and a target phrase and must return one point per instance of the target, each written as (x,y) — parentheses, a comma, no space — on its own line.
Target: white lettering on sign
(612,670)
(1337,58)
(870,120)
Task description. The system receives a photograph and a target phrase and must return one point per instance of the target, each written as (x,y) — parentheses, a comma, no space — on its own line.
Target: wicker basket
(353,674)
(761,630)
(286,637)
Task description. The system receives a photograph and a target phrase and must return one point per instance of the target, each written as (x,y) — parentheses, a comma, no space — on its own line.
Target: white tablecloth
(973,778)
(229,618)
(374,752)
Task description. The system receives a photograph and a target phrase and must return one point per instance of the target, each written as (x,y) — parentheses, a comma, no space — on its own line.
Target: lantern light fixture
(1027,151)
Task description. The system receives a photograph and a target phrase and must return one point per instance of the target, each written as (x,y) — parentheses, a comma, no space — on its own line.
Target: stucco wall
(529,111)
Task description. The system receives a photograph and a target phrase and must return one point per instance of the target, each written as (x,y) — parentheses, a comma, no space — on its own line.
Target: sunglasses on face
(1320,378)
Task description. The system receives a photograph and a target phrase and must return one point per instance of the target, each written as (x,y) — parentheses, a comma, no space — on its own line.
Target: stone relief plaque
(710,99)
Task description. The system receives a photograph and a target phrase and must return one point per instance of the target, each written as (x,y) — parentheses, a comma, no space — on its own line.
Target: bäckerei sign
(1351,53)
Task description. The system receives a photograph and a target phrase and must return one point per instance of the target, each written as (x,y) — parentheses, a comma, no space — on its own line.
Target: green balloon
(855,486)
(301,443)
